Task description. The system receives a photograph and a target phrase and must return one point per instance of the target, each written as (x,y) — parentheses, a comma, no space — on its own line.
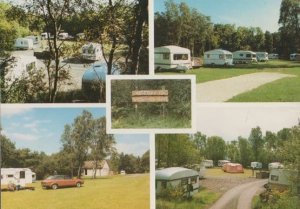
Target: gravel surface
(224,89)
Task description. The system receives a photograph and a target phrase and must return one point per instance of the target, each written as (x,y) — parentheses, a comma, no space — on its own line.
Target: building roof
(172,48)
(91,164)
(173,173)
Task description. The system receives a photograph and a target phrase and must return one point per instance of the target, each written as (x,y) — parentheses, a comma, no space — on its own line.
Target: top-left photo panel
(60,51)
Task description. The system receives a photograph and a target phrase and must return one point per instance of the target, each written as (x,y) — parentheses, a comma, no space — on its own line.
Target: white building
(89,168)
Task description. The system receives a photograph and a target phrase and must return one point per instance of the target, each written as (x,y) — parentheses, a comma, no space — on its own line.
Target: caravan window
(274,178)
(228,56)
(10,176)
(208,55)
(241,55)
(221,56)
(164,184)
(194,179)
(22,174)
(181,57)
(184,182)
(248,55)
(166,56)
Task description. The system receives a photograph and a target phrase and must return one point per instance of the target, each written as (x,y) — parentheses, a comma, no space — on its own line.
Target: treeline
(185,150)
(179,97)
(187,27)
(85,139)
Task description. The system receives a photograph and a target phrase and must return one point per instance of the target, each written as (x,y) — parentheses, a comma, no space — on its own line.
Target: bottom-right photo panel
(244,156)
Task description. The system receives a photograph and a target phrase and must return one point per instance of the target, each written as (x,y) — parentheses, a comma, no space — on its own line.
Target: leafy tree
(145,162)
(290,26)
(8,152)
(256,141)
(246,155)
(216,148)
(200,141)
(233,151)
(269,42)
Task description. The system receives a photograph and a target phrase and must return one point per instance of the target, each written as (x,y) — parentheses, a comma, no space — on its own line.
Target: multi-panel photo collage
(150,104)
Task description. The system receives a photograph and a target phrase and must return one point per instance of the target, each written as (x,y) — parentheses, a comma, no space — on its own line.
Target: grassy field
(151,121)
(117,192)
(283,90)
(201,200)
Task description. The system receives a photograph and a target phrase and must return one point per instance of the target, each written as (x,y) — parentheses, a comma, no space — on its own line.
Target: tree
(200,141)
(268,42)
(8,152)
(256,141)
(245,151)
(232,151)
(145,162)
(101,144)
(289,21)
(216,148)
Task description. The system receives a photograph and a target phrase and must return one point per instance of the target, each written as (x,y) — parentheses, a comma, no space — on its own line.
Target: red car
(57,181)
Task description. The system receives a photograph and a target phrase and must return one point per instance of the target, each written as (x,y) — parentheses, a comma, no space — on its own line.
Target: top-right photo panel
(239,51)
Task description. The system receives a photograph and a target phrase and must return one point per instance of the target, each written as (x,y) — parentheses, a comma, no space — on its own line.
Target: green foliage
(216,148)
(172,193)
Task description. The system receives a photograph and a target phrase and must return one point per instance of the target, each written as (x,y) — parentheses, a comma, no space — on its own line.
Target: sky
(40,129)
(231,120)
(255,13)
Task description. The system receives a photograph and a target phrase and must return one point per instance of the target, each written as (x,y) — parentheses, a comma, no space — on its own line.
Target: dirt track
(224,89)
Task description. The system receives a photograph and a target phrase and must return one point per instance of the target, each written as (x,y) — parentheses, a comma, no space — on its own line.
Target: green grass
(117,192)
(282,90)
(214,172)
(202,199)
(151,121)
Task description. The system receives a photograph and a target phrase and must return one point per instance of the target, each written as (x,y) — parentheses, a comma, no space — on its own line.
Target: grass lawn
(283,90)
(202,199)
(117,192)
(151,121)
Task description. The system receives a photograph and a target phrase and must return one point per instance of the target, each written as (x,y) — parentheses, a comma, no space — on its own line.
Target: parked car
(58,181)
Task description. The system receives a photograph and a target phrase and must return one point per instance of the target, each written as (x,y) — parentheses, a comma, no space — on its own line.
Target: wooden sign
(150,96)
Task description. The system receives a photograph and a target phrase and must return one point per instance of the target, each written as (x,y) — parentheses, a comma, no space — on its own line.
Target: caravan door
(22,178)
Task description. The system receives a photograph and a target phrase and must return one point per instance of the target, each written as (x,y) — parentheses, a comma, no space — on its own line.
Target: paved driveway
(224,89)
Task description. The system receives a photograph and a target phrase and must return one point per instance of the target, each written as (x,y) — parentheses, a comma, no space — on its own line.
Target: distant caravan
(262,56)
(23,43)
(244,57)
(172,58)
(92,51)
(218,57)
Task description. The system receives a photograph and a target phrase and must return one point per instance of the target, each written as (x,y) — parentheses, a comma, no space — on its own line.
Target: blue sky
(255,13)
(40,129)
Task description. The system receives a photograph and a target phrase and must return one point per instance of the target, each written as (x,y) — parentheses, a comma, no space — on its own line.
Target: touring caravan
(244,57)
(23,43)
(45,36)
(256,165)
(275,165)
(35,39)
(294,56)
(92,51)
(218,57)
(17,176)
(208,163)
(273,56)
(63,36)
(177,176)
(262,56)
(282,178)
(19,66)
(172,58)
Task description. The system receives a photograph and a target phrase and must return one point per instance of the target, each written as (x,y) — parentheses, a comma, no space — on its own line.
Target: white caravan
(177,176)
(262,56)
(35,39)
(45,36)
(23,43)
(172,58)
(273,56)
(18,67)
(17,176)
(63,36)
(218,57)
(294,56)
(208,163)
(92,51)
(244,57)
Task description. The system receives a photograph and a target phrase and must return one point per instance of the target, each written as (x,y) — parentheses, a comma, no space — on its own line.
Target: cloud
(23,137)
(9,111)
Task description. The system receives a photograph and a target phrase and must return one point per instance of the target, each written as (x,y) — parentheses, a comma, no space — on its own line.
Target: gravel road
(224,89)
(240,197)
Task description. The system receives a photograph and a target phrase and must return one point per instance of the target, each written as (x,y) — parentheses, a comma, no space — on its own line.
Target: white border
(110,130)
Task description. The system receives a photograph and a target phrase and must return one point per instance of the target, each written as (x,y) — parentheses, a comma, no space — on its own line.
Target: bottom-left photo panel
(55,157)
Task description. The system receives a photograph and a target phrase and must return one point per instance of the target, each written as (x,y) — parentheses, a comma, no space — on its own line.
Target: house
(233,168)
(23,43)
(244,57)
(172,58)
(218,57)
(92,51)
(89,167)
(177,176)
(262,56)
(17,176)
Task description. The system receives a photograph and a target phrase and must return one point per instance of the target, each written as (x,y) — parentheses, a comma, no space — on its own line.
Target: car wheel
(54,186)
(78,184)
